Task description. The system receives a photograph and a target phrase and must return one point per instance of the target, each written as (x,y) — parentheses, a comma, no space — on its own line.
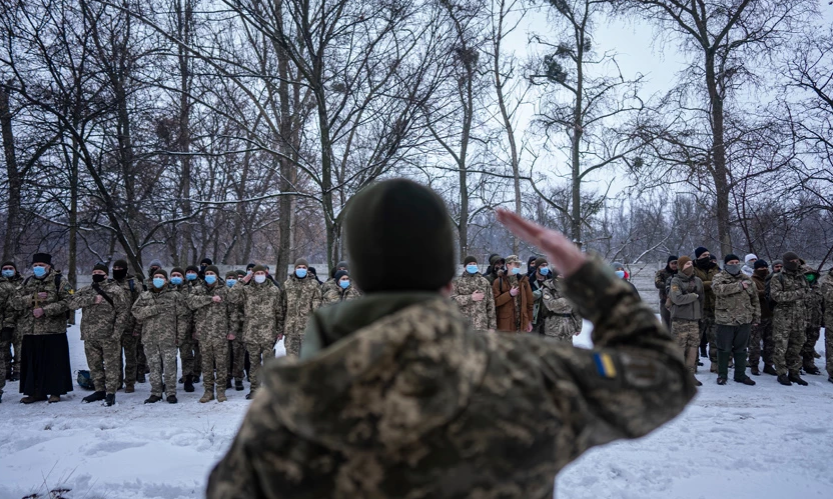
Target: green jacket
(55,306)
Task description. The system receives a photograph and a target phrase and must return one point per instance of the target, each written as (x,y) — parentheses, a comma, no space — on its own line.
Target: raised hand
(562,254)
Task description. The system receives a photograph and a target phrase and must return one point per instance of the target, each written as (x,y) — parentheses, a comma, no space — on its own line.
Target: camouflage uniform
(789,319)
(708,328)
(417,404)
(160,313)
(687,299)
(827,295)
(264,310)
(554,310)
(335,294)
(237,348)
(736,309)
(763,331)
(303,297)
(813,302)
(131,335)
(102,325)
(188,345)
(8,318)
(481,314)
(211,324)
(661,281)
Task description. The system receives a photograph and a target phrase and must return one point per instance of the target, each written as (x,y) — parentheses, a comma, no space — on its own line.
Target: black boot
(795,378)
(94,397)
(740,370)
(830,379)
(812,370)
(250,395)
(195,378)
(769,369)
(721,380)
(153,399)
(228,383)
(171,399)
(755,371)
(238,385)
(140,378)
(110,400)
(784,380)
(189,385)
(181,380)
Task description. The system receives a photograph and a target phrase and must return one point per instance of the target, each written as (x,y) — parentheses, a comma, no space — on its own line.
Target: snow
(733,441)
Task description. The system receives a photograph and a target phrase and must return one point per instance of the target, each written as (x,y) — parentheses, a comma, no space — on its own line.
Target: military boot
(755,371)
(250,395)
(189,384)
(195,378)
(238,385)
(153,399)
(140,378)
(740,370)
(770,369)
(795,378)
(129,388)
(784,380)
(31,399)
(93,397)
(171,399)
(208,396)
(110,400)
(221,395)
(53,399)
(812,370)
(723,364)
(228,383)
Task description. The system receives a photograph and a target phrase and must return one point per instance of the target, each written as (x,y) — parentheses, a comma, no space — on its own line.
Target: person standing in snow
(237,349)
(706,269)
(554,317)
(827,295)
(749,265)
(189,348)
(814,302)
(212,315)
(105,308)
(662,280)
(514,303)
(303,297)
(762,333)
(788,289)
(9,363)
(343,289)
(687,298)
(473,294)
(401,397)
(736,311)
(130,338)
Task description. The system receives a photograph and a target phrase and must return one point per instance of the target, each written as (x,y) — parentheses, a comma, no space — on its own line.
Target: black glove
(6,334)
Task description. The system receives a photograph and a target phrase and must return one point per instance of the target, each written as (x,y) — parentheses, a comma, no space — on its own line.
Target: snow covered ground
(733,441)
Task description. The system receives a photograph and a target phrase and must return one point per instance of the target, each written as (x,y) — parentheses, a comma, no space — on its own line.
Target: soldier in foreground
(398,397)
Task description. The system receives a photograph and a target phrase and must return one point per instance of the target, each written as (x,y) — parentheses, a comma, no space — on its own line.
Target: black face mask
(98,278)
(791,266)
(119,274)
(703,263)
(761,272)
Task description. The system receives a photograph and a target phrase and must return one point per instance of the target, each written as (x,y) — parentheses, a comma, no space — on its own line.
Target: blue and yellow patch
(605,365)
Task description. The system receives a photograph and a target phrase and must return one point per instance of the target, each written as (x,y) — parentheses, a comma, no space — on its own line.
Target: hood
(384,385)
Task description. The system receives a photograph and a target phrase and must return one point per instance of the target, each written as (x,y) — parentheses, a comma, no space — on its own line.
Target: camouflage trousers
(259,353)
(134,361)
(761,333)
(161,359)
(214,355)
(11,359)
(104,361)
(559,328)
(189,352)
(788,339)
(708,331)
(294,341)
(237,358)
(688,337)
(808,351)
(4,345)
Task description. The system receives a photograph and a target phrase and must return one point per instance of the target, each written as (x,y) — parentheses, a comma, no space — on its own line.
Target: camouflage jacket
(733,304)
(813,301)
(328,285)
(55,306)
(826,288)
(8,289)
(132,287)
(185,316)
(553,299)
(706,276)
(335,294)
(159,312)
(303,297)
(661,279)
(263,310)
(212,321)
(104,320)
(788,289)
(417,404)
(481,314)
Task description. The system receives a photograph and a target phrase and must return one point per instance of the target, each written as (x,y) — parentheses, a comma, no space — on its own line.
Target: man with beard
(736,310)
(661,281)
(705,269)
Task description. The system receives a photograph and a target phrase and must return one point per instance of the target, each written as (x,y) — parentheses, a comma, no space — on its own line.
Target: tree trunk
(575,147)
(188,252)
(719,172)
(286,223)
(10,244)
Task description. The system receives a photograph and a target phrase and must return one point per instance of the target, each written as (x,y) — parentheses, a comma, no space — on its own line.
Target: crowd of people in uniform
(225,326)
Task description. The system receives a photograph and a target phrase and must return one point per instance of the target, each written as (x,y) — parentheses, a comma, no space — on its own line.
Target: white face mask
(260,279)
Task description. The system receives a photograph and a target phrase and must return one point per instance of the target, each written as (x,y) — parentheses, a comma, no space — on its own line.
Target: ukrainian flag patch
(604,365)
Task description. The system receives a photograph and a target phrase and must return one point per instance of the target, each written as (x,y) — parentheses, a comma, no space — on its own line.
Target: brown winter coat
(505,303)
(760,284)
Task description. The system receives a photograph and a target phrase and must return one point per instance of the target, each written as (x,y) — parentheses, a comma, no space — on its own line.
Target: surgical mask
(620,274)
(8,273)
(99,278)
(231,282)
(210,279)
(39,271)
(260,278)
(191,277)
(301,273)
(158,282)
(516,271)
(544,270)
(176,281)
(119,274)
(472,269)
(344,284)
(733,269)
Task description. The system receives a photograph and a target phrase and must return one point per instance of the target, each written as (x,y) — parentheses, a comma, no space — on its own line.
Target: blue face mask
(620,274)
(472,269)
(229,282)
(8,273)
(191,277)
(176,281)
(158,282)
(301,273)
(39,271)
(210,279)
(344,284)
(516,271)
(544,270)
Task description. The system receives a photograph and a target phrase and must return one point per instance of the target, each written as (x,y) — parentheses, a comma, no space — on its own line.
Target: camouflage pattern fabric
(263,312)
(212,322)
(827,296)
(55,305)
(259,353)
(186,342)
(237,349)
(789,289)
(159,312)
(103,359)
(813,302)
(733,304)
(688,338)
(661,281)
(561,322)
(8,317)
(131,335)
(335,294)
(481,314)
(303,297)
(417,404)
(762,333)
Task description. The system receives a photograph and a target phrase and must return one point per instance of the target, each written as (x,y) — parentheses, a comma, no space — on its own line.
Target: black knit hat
(42,258)
(469,259)
(699,251)
(213,268)
(339,275)
(731,256)
(789,255)
(101,266)
(191,268)
(9,263)
(178,269)
(161,271)
(672,258)
(206,261)
(760,264)
(120,263)
(399,220)
(250,266)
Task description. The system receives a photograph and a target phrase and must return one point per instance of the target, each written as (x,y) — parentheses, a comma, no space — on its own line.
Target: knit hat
(699,251)
(750,256)
(206,261)
(731,256)
(512,259)
(301,261)
(672,258)
(120,263)
(531,259)
(101,266)
(213,268)
(789,255)
(617,265)
(231,274)
(469,259)
(258,268)
(177,269)
(494,259)
(340,274)
(760,264)
(160,270)
(155,263)
(399,220)
(682,261)
(9,263)
(541,261)
(777,262)
(250,266)
(342,264)
(42,258)
(192,268)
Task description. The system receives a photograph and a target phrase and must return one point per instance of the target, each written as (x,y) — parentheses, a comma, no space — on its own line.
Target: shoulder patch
(675,288)
(604,365)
